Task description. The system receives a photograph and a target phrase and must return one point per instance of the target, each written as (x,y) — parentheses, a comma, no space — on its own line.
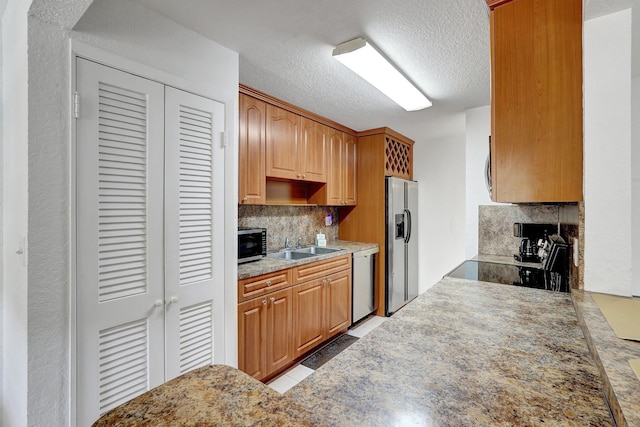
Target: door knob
(157,303)
(172,300)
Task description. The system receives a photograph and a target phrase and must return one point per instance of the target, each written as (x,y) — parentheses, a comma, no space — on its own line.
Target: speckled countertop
(612,356)
(464,353)
(211,396)
(269,265)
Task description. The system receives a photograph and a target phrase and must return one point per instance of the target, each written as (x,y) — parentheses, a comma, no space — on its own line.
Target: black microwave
(252,244)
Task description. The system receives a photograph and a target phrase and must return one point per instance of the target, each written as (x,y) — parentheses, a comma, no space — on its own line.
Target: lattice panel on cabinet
(398,161)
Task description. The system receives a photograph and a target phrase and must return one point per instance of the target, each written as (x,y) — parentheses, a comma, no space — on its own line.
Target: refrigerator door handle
(408,233)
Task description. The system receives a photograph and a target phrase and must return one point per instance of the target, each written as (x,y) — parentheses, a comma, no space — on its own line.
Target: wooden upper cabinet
(335,173)
(350,170)
(283,143)
(495,3)
(313,153)
(342,163)
(252,149)
(536,103)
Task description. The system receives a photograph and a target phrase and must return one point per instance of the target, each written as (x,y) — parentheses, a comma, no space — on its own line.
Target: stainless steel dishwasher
(363,280)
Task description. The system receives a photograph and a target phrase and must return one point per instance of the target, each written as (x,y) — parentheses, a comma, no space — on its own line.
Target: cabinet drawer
(321,268)
(260,285)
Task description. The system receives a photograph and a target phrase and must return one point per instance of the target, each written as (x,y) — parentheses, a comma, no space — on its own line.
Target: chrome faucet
(287,244)
(299,242)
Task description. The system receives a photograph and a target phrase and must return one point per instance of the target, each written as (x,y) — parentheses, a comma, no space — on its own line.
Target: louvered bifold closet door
(119,282)
(194,233)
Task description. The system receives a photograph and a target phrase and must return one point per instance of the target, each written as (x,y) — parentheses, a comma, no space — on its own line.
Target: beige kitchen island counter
(464,353)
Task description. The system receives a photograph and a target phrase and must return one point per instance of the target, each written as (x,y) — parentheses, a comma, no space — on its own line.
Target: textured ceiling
(285,50)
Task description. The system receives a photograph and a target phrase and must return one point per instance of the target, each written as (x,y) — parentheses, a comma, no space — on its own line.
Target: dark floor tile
(327,352)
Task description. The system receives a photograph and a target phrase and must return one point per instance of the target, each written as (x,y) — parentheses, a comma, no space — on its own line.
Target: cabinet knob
(244,199)
(298,175)
(328,280)
(268,282)
(264,302)
(324,281)
(172,300)
(304,176)
(157,303)
(272,299)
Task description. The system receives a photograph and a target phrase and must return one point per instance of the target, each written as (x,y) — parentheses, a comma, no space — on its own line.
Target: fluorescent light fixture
(368,63)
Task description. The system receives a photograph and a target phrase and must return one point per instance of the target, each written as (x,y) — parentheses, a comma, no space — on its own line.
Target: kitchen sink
(316,250)
(290,255)
(301,253)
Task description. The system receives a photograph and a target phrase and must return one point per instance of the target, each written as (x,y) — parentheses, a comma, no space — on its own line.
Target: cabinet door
(252,337)
(308,316)
(536,66)
(338,309)
(334,169)
(313,161)
(252,151)
(283,143)
(279,330)
(350,171)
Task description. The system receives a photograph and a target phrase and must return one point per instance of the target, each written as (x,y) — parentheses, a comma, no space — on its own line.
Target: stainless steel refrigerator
(401,282)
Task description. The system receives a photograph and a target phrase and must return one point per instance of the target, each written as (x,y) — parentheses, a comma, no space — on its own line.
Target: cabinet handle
(264,302)
(268,282)
(272,299)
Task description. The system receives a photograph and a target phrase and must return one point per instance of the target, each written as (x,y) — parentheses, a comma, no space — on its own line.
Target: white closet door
(120,330)
(194,198)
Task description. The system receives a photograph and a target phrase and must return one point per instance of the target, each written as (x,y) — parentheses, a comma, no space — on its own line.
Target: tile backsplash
(289,221)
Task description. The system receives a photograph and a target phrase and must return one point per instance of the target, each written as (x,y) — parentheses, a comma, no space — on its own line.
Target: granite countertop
(464,353)
(612,356)
(269,265)
(216,395)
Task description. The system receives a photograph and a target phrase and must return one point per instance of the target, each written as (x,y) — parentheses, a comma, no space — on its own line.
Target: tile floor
(299,372)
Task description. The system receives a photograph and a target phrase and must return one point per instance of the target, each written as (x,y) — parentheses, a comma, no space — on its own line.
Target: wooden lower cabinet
(338,297)
(308,315)
(321,309)
(276,328)
(265,334)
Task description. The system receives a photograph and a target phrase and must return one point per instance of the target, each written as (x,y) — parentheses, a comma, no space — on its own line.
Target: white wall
(478,129)
(37,386)
(14,322)
(439,168)
(635,184)
(607,152)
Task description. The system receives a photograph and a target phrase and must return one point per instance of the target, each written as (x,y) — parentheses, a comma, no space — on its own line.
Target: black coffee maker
(531,234)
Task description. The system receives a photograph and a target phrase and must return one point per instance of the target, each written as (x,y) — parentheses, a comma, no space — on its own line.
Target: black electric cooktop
(508,274)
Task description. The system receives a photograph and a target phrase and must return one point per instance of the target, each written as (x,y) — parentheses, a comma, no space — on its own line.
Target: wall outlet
(328,220)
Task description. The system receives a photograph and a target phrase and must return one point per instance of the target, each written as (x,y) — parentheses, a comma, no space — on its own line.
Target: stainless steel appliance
(362,300)
(252,244)
(401,282)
